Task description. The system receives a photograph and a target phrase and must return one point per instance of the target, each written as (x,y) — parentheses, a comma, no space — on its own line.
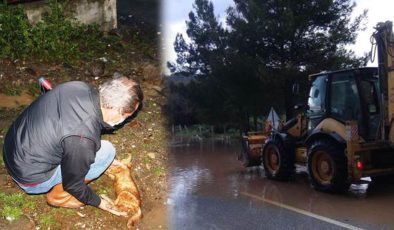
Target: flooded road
(210,190)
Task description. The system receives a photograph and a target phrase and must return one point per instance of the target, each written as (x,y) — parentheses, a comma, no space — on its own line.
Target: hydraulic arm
(385,46)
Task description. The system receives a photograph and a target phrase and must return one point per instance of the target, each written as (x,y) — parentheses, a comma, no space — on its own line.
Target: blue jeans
(104,158)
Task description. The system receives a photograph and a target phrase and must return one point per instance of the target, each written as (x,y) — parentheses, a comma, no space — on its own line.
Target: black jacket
(44,136)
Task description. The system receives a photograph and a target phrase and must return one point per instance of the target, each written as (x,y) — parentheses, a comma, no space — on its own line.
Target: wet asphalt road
(210,190)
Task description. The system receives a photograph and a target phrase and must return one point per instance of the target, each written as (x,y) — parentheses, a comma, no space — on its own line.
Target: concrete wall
(102,12)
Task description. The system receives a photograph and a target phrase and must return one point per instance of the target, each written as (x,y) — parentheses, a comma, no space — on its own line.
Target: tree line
(243,67)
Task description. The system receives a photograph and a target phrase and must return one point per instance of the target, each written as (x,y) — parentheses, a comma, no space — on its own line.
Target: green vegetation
(54,48)
(97,213)
(33,90)
(47,221)
(11,213)
(241,69)
(146,160)
(12,205)
(65,212)
(158,171)
(12,90)
(102,189)
(16,199)
(140,43)
(15,32)
(55,38)
(200,130)
(29,204)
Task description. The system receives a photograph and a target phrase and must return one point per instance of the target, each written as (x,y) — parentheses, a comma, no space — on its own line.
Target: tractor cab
(348,95)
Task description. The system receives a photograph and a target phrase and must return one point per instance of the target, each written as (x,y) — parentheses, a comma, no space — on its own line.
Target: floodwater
(209,189)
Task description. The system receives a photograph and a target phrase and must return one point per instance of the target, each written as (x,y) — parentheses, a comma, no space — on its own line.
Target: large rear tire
(278,162)
(327,167)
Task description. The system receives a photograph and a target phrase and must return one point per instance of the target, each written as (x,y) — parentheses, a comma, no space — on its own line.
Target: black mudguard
(319,134)
(285,138)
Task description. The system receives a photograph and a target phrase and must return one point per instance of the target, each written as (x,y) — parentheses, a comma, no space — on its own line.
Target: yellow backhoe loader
(344,133)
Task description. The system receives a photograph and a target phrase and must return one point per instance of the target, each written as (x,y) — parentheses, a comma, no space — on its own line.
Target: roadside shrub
(15,32)
(56,38)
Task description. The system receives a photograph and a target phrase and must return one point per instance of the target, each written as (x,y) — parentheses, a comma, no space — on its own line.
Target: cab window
(317,94)
(344,99)
(370,96)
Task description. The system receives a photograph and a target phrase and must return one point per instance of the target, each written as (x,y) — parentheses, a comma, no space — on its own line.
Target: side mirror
(296,89)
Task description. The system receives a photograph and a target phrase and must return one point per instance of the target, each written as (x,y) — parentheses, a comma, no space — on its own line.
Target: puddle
(209,170)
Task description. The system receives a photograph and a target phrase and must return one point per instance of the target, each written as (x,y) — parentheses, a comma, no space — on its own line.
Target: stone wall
(102,12)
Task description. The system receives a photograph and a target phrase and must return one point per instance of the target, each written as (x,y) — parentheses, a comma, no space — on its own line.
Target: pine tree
(207,40)
(291,39)
(266,47)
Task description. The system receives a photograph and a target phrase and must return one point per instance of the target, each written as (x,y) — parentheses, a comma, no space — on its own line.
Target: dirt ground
(143,140)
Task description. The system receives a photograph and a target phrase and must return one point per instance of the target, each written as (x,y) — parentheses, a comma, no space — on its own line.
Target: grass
(16,199)
(29,204)
(47,221)
(33,90)
(12,205)
(158,171)
(146,160)
(104,189)
(12,90)
(11,213)
(64,212)
(97,213)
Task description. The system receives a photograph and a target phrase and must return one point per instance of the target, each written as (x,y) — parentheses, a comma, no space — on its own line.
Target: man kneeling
(56,142)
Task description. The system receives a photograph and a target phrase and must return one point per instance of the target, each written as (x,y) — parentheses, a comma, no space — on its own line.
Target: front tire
(327,167)
(278,162)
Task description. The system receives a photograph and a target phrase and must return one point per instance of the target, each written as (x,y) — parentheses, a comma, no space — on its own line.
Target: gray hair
(121,93)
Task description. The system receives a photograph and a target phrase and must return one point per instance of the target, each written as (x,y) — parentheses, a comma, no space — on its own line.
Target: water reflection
(186,181)
(208,173)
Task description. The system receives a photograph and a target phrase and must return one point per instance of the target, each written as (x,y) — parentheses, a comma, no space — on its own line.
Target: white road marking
(297,210)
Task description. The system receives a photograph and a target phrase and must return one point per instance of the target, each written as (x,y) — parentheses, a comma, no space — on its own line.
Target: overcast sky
(175,13)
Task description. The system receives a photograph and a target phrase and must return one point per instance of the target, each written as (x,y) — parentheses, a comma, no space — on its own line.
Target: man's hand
(119,163)
(108,205)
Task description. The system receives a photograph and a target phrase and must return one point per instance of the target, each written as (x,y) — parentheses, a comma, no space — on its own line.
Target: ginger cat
(127,194)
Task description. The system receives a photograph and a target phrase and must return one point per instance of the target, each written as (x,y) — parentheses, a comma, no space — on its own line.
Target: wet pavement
(209,189)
